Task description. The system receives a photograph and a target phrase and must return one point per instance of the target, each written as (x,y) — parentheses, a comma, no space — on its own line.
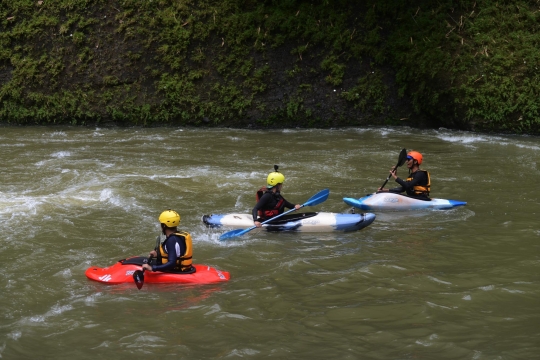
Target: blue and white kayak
(391,201)
(302,222)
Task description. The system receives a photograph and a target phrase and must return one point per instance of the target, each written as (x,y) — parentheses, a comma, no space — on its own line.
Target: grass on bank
(466,64)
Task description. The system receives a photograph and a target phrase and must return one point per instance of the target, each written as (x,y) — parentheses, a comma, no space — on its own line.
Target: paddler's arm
(255,211)
(260,204)
(407,185)
(401,182)
(398,190)
(152,254)
(393,173)
(290,205)
(169,265)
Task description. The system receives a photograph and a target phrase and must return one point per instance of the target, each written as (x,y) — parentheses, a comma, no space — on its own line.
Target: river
(454,284)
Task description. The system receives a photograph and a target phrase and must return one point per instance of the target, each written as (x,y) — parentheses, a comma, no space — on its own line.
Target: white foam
(12,145)
(213,309)
(439,306)
(439,281)
(15,335)
(465,139)
(513,291)
(19,205)
(242,352)
(37,319)
(91,299)
(66,273)
(108,196)
(57,310)
(527,146)
(56,134)
(61,154)
(235,316)
(487,288)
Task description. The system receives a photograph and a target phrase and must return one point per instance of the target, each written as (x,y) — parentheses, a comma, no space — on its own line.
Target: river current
(448,284)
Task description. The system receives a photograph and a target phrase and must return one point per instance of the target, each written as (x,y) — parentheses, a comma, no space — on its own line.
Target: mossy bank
(456,64)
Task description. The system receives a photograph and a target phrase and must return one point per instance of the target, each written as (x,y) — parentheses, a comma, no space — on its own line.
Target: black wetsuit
(419,178)
(176,247)
(268,201)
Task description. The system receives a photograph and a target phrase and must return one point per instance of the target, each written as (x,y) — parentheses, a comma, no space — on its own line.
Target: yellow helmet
(275,178)
(169,218)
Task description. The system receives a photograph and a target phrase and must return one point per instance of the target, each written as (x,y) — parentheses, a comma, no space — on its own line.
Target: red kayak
(122,272)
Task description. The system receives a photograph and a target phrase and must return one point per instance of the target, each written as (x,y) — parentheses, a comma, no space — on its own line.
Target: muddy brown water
(457,284)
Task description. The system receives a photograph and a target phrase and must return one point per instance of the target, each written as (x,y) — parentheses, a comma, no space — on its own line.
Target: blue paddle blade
(318,198)
(234,233)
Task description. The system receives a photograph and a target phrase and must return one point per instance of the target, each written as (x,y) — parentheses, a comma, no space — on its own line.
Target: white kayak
(303,222)
(391,201)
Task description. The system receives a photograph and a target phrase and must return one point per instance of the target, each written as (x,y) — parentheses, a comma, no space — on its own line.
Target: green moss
(467,64)
(369,93)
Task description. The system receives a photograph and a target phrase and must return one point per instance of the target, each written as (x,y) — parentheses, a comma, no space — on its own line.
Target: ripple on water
(410,285)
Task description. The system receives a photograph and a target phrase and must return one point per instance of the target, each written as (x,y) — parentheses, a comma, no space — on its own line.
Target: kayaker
(270,202)
(418,183)
(176,251)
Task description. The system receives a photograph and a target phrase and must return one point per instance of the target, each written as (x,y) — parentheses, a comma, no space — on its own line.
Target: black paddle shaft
(401,161)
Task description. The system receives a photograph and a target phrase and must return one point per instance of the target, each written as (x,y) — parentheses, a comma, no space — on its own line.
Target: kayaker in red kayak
(269,200)
(176,252)
(418,184)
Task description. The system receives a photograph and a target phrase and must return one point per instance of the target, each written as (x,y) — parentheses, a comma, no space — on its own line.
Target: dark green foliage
(462,64)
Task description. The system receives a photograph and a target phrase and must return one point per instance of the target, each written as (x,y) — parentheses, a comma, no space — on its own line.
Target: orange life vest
(422,189)
(183,263)
(271,212)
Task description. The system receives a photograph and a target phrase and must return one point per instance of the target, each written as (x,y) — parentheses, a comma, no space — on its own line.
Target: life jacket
(183,263)
(422,189)
(265,214)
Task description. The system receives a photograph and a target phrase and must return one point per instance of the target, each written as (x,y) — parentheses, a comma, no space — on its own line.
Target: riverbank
(255,65)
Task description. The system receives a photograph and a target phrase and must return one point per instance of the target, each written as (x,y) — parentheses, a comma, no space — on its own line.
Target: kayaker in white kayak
(269,200)
(176,252)
(417,184)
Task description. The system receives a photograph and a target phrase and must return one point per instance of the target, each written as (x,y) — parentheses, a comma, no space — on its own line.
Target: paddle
(401,161)
(316,199)
(138,275)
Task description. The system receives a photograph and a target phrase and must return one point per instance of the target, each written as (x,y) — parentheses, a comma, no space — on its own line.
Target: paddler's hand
(153,253)
(147,267)
(297,206)
(257,224)
(379,190)
(393,173)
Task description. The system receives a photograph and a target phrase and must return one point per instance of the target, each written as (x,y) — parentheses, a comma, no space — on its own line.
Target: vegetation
(458,64)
